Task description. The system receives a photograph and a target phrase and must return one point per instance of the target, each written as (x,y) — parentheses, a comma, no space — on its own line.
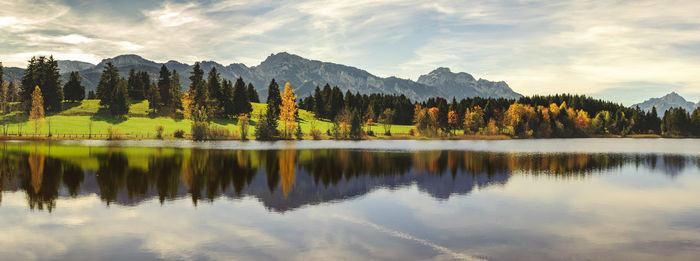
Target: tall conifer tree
(274,99)
(241,102)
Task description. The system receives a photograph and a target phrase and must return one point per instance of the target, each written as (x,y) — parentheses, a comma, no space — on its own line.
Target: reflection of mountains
(288,179)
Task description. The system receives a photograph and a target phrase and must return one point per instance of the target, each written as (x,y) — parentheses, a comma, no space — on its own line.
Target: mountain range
(303,75)
(662,104)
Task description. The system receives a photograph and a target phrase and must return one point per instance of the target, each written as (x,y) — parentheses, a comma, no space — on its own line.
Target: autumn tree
(288,109)
(243,120)
(386,119)
(36,114)
(74,89)
(452,121)
(474,120)
(187,105)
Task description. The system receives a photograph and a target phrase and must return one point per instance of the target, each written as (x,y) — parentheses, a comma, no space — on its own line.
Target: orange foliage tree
(288,110)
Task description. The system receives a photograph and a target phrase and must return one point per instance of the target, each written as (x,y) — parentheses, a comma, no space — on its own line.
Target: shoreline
(127,137)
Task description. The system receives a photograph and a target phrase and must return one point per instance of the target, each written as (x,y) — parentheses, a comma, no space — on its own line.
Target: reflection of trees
(121,176)
(288,168)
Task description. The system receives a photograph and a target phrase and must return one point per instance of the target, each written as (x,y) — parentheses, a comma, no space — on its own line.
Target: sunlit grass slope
(82,117)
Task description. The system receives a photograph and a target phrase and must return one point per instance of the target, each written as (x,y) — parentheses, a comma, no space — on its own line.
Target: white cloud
(536,46)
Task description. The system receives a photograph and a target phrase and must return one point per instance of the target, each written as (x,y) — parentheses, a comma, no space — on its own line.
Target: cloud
(536,46)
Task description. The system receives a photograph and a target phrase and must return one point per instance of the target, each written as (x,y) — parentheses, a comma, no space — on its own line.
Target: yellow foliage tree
(188,105)
(474,120)
(452,120)
(288,109)
(36,114)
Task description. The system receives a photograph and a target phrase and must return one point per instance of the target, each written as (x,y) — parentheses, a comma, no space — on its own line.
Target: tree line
(210,97)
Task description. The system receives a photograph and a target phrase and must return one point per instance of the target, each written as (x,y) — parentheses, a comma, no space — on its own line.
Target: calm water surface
(578,199)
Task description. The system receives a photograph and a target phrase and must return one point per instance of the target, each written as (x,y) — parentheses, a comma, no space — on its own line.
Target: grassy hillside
(77,118)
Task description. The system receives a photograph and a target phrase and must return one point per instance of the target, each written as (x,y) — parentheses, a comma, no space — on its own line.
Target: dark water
(588,199)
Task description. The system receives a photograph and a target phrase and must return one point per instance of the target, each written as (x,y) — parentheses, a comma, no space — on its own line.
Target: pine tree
(355,125)
(108,84)
(91,95)
(229,109)
(74,90)
(253,94)
(216,96)
(176,88)
(119,105)
(165,104)
(319,103)
(153,97)
(240,98)
(274,100)
(44,73)
(198,88)
(288,109)
(131,84)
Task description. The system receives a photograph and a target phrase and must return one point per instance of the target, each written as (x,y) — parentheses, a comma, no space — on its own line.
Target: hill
(303,74)
(662,104)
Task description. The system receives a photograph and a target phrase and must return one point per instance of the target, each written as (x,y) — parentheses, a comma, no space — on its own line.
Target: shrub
(315,134)
(159,131)
(387,133)
(243,125)
(200,130)
(179,134)
(298,134)
(370,133)
(412,132)
(114,133)
(218,133)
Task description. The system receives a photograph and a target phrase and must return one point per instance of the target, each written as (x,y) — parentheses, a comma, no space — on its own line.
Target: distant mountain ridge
(303,75)
(662,104)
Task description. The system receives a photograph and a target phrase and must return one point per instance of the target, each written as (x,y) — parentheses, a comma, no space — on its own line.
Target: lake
(572,199)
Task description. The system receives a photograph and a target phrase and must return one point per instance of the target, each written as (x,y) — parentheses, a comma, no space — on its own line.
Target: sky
(624,51)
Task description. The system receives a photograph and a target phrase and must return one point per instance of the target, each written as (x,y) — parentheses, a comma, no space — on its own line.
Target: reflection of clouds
(399,234)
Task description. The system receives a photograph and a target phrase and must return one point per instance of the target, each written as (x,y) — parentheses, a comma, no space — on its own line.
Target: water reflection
(282,179)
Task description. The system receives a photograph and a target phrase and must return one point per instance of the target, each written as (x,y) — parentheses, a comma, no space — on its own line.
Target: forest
(350,115)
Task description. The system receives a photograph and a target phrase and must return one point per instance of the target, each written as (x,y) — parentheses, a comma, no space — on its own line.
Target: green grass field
(77,118)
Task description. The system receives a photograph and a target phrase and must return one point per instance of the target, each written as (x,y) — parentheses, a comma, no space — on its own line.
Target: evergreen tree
(119,105)
(165,104)
(153,97)
(91,95)
(74,90)
(138,84)
(274,99)
(216,95)
(176,88)
(253,94)
(198,88)
(355,125)
(132,84)
(108,84)
(241,103)
(1,74)
(319,104)
(265,127)
(44,73)
(227,98)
